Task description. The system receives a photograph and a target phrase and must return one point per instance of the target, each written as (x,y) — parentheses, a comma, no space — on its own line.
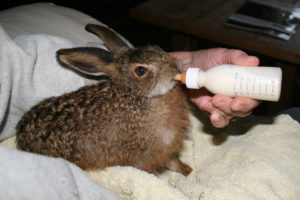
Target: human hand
(221,109)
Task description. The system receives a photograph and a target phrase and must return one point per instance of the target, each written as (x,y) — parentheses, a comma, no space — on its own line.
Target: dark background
(115,13)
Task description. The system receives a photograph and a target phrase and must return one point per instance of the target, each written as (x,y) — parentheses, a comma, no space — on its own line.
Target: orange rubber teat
(180,77)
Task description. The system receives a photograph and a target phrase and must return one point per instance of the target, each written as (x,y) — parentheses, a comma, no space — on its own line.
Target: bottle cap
(192,78)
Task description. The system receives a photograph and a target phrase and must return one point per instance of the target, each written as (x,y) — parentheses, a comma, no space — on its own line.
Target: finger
(202,98)
(204,103)
(219,120)
(184,57)
(242,106)
(223,103)
(217,117)
(238,57)
(195,94)
(246,60)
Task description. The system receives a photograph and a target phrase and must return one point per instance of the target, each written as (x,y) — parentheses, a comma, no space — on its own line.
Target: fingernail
(208,105)
(218,120)
(215,117)
(241,106)
(220,104)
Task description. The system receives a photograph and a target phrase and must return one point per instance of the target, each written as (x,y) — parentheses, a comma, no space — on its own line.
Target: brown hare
(138,117)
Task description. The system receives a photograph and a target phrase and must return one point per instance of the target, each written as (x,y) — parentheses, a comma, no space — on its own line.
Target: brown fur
(116,122)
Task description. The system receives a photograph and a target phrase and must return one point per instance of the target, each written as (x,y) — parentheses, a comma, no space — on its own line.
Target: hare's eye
(140,70)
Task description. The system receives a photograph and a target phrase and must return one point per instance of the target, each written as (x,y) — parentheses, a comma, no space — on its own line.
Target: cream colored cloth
(253,159)
(262,163)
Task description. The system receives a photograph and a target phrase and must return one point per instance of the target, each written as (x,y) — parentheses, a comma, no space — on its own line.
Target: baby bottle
(262,83)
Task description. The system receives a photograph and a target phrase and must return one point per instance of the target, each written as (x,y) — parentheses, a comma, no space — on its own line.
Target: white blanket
(261,163)
(254,159)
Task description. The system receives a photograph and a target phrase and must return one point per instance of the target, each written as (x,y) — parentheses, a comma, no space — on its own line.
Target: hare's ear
(111,39)
(88,60)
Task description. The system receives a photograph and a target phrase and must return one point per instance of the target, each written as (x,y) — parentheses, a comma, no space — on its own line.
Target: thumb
(244,60)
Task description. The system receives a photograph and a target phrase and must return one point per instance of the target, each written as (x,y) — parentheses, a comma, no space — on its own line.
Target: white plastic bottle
(262,83)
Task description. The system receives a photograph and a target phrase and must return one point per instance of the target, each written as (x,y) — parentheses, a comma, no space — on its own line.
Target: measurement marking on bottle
(253,85)
(259,86)
(235,81)
(247,84)
(241,83)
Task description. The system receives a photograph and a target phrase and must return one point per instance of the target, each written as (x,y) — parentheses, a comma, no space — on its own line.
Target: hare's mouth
(162,87)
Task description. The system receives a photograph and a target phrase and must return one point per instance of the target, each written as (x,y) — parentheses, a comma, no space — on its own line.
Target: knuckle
(237,52)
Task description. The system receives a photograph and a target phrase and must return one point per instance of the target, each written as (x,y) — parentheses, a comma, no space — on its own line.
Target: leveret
(137,117)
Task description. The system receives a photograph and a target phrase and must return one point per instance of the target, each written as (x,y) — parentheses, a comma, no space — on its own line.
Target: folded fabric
(29,72)
(29,176)
(30,35)
(47,18)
